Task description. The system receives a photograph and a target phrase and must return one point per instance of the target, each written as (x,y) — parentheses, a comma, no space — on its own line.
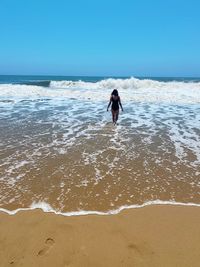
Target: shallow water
(59,147)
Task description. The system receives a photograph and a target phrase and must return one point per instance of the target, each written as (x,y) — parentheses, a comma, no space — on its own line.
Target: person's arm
(120,104)
(109,104)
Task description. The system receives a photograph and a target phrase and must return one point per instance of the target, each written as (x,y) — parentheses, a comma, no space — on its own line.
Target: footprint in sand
(48,244)
(135,248)
(141,250)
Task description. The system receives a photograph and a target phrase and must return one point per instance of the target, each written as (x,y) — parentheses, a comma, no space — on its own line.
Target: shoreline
(156,235)
(46,208)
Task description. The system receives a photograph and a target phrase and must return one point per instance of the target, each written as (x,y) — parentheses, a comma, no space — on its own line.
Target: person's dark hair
(115,92)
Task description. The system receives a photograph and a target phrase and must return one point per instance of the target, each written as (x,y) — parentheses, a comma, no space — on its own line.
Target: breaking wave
(130,83)
(138,90)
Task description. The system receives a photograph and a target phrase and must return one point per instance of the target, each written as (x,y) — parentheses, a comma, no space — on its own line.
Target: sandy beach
(60,152)
(150,236)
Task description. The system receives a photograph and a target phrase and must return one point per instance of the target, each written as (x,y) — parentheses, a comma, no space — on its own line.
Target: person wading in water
(115,100)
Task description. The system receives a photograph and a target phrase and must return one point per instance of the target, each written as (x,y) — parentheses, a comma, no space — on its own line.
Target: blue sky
(100,37)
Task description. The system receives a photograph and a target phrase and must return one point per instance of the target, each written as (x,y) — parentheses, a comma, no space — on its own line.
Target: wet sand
(151,236)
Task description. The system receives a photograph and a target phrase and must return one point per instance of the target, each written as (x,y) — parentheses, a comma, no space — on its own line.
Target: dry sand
(151,236)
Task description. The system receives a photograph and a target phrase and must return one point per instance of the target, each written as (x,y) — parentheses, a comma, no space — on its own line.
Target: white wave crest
(130,83)
(132,89)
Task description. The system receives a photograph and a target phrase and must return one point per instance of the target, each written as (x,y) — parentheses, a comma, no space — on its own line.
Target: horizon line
(100,76)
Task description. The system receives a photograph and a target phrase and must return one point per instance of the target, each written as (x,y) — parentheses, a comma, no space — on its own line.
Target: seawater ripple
(45,207)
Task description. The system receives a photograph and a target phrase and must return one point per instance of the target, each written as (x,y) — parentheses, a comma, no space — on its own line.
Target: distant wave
(132,89)
(130,83)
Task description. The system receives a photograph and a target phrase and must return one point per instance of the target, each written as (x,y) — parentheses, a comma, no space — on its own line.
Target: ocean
(59,150)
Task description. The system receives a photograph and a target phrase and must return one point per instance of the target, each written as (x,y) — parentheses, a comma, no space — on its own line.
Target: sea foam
(132,89)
